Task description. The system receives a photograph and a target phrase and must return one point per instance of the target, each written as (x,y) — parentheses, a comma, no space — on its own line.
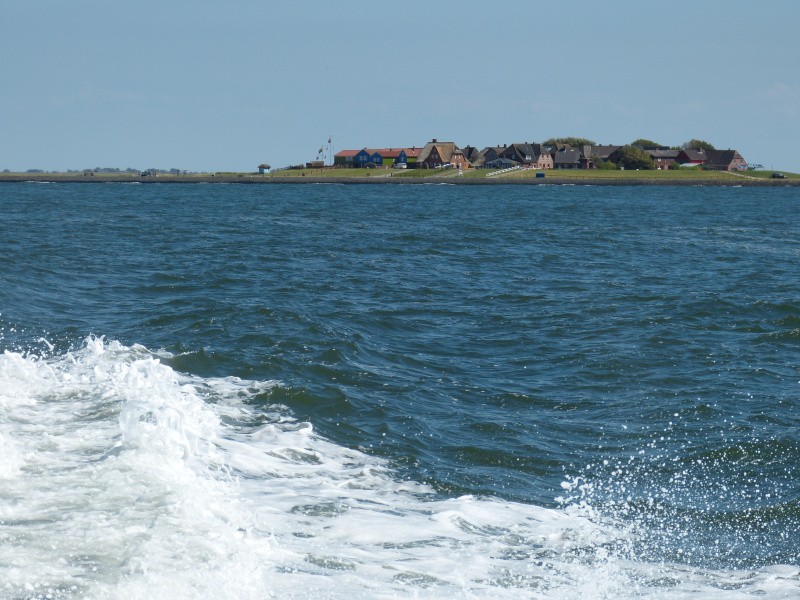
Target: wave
(123,478)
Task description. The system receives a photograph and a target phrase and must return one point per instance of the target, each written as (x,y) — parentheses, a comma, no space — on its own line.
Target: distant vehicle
(778,176)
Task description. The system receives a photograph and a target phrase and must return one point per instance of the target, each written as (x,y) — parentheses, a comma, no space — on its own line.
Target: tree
(698,145)
(629,157)
(646,144)
(605,165)
(574,142)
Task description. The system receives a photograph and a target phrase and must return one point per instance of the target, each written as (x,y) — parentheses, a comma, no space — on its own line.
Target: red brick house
(724,160)
(532,156)
(663,159)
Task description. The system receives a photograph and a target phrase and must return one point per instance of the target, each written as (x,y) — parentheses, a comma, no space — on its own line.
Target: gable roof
(694,155)
(567,156)
(474,156)
(602,152)
(386,152)
(722,158)
(523,152)
(471,153)
(343,153)
(444,149)
(492,151)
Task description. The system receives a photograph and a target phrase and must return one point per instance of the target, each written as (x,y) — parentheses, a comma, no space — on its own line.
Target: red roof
(386,152)
(395,152)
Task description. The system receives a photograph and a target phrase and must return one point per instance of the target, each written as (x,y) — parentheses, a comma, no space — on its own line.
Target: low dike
(247,179)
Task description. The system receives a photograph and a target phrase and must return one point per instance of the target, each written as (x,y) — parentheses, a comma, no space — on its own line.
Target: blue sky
(202,85)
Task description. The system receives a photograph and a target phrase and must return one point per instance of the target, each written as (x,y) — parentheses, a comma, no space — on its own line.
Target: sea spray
(147,482)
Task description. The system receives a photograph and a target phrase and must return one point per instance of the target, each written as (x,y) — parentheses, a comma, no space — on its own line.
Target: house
(412,154)
(262,168)
(438,154)
(591,155)
(595,154)
(491,153)
(345,158)
(691,156)
(473,156)
(566,157)
(724,160)
(391,157)
(532,156)
(458,160)
(377,157)
(388,156)
(663,158)
(367,157)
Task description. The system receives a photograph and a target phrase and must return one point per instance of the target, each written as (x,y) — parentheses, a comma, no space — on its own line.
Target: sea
(399,391)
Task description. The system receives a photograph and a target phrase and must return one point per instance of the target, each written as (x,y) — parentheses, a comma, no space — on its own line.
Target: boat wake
(123,478)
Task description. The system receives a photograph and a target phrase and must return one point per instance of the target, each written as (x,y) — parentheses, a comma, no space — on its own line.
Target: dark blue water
(641,345)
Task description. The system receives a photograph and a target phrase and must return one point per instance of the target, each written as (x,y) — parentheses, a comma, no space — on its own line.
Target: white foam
(121,478)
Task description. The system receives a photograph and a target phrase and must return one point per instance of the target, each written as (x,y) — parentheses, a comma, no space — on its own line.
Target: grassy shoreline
(470,177)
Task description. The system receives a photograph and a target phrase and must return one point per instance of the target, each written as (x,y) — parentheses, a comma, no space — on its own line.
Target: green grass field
(560,176)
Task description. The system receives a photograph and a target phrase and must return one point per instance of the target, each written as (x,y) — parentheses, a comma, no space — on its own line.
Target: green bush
(605,165)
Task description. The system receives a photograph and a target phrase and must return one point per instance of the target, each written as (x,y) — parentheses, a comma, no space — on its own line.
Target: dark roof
(663,153)
(471,153)
(524,152)
(567,156)
(602,152)
(500,163)
(492,152)
(694,154)
(475,157)
(722,158)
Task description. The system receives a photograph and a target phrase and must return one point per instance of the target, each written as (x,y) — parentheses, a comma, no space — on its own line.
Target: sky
(212,86)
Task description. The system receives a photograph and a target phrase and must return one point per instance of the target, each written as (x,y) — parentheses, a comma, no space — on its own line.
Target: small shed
(264,168)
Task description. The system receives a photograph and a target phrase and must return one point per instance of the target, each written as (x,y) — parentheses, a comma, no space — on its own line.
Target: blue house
(367,157)
(361,158)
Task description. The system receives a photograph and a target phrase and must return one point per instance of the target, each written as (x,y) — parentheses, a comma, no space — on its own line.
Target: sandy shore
(267,180)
